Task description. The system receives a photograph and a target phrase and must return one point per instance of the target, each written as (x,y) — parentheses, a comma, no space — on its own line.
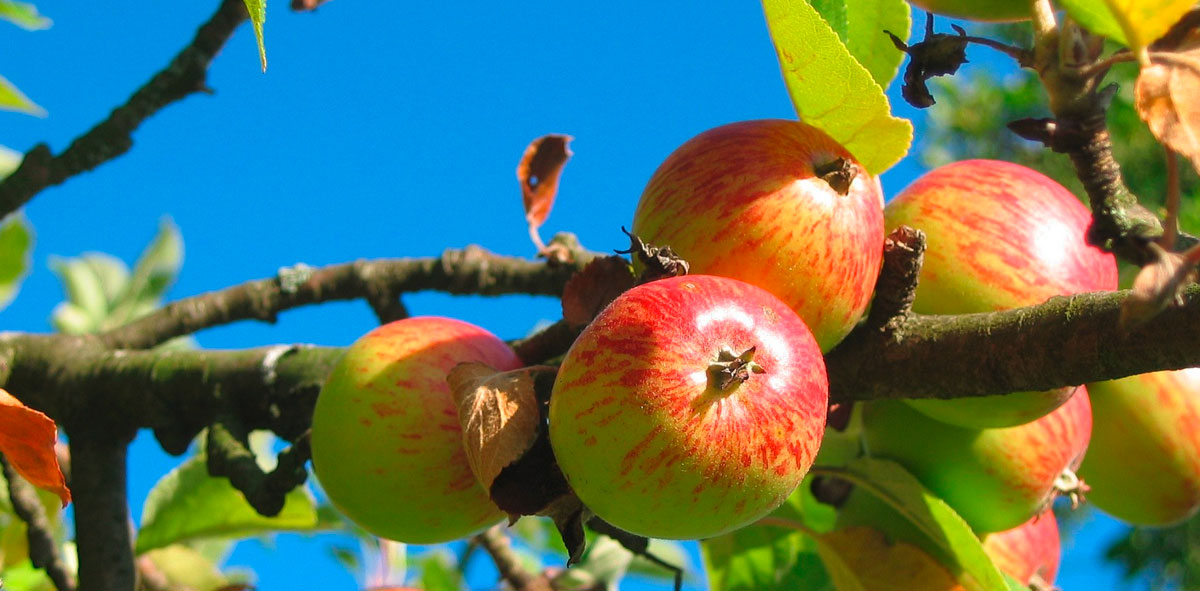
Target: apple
(1143,466)
(1029,552)
(386,442)
(979,10)
(1000,236)
(689,407)
(776,203)
(1024,552)
(996,478)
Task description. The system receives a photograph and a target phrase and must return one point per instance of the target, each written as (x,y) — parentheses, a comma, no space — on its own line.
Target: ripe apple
(1023,552)
(979,10)
(1029,552)
(386,442)
(1144,460)
(776,203)
(995,479)
(689,407)
(1000,236)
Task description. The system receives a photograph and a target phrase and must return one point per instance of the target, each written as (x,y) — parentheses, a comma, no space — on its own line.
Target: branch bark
(113,137)
(43,549)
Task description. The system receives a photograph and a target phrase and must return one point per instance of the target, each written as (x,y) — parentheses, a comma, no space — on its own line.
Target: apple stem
(731,369)
(839,173)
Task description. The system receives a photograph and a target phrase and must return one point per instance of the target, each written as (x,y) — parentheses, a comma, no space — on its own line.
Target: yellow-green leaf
(865,38)
(10,159)
(23,15)
(12,99)
(16,238)
(1096,18)
(831,90)
(1144,21)
(258,16)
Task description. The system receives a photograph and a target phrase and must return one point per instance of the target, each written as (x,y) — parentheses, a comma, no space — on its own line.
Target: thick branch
(469,271)
(113,137)
(102,526)
(43,550)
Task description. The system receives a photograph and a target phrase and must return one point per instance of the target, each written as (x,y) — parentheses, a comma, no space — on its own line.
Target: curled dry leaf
(27,439)
(1165,96)
(862,558)
(499,415)
(593,287)
(1159,284)
(539,171)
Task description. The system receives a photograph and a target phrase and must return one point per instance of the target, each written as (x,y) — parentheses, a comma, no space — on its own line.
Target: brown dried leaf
(861,558)
(593,287)
(499,415)
(539,171)
(1165,97)
(1158,285)
(569,515)
(27,440)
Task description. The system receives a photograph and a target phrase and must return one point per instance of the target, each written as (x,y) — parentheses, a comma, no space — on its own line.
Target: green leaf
(831,90)
(834,13)
(26,577)
(82,287)
(185,568)
(258,16)
(16,240)
(1095,17)
(768,557)
(1013,584)
(1144,21)
(866,40)
(10,159)
(438,573)
(187,504)
(669,551)
(154,272)
(953,538)
(23,15)
(12,99)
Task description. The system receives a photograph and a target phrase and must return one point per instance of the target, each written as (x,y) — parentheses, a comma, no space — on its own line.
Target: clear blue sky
(383,129)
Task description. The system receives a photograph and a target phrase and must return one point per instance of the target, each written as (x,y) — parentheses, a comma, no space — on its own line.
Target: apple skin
(1143,466)
(995,479)
(1000,236)
(386,441)
(979,10)
(1032,549)
(650,445)
(742,200)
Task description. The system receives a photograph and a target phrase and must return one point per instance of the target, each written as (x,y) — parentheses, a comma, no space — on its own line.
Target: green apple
(1143,465)
(689,407)
(1000,236)
(386,442)
(775,203)
(995,479)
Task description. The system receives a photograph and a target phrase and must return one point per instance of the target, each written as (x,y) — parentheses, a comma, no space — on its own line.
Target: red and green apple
(776,203)
(1029,552)
(1000,236)
(689,407)
(386,442)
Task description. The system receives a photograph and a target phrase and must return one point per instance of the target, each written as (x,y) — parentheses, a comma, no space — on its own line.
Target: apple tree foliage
(247,474)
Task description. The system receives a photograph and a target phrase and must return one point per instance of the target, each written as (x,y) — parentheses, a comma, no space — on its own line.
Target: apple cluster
(695,405)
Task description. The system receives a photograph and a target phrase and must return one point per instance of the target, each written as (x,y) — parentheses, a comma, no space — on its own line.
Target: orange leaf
(1165,97)
(499,415)
(593,287)
(862,558)
(27,439)
(539,171)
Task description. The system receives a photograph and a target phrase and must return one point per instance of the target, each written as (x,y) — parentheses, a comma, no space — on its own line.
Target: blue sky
(383,129)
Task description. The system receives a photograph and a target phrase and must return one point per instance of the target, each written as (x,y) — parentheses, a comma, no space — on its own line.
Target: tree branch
(113,137)
(498,546)
(472,270)
(43,550)
(102,526)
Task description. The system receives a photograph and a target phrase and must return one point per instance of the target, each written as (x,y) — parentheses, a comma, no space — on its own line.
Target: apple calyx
(731,369)
(1071,485)
(838,173)
(658,262)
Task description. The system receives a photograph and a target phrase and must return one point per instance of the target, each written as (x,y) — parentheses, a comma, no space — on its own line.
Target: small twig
(546,344)
(903,253)
(229,455)
(1021,55)
(113,137)
(499,547)
(1102,67)
(43,551)
(1044,21)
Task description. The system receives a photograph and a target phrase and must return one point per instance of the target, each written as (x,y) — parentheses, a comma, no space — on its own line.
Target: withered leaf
(532,483)
(27,439)
(593,287)
(569,515)
(539,171)
(1165,97)
(499,415)
(1158,285)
